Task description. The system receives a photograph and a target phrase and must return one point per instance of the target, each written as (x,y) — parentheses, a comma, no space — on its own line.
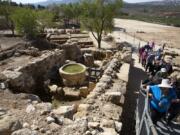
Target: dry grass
(152,32)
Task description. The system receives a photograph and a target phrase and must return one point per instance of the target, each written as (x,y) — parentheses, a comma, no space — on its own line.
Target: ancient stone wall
(100,113)
(27,77)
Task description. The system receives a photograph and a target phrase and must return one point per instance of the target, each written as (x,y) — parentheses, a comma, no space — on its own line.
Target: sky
(33,1)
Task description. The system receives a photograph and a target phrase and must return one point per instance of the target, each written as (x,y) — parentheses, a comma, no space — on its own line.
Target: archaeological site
(74,68)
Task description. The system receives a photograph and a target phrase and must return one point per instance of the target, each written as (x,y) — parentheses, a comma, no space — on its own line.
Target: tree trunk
(12,29)
(99,42)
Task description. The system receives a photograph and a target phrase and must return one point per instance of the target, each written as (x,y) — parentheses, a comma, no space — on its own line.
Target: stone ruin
(61,36)
(96,106)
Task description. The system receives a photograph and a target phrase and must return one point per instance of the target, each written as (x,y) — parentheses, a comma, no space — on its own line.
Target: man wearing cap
(160,99)
(161,74)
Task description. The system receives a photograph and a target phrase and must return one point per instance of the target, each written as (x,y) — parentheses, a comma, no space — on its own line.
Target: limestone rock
(9,124)
(84,107)
(94,132)
(106,79)
(88,133)
(124,72)
(44,108)
(66,111)
(113,97)
(118,126)
(30,108)
(71,93)
(107,123)
(26,125)
(25,131)
(108,131)
(93,125)
(80,115)
(102,85)
(67,121)
(53,88)
(112,111)
(79,127)
(42,130)
(54,126)
(34,127)
(50,120)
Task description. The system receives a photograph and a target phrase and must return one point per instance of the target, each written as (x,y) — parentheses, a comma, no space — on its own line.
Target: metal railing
(144,124)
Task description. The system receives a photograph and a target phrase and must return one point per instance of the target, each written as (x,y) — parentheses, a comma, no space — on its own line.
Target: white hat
(165,84)
(163,70)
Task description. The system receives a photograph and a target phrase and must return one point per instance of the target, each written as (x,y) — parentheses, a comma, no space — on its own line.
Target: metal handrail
(145,120)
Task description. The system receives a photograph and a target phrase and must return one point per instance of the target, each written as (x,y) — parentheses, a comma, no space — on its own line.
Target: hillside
(165,12)
(50,2)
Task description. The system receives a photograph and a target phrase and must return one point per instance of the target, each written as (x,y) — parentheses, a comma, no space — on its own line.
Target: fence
(144,125)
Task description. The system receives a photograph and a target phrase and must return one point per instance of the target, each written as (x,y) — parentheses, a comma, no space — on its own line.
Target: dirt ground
(9,42)
(151,32)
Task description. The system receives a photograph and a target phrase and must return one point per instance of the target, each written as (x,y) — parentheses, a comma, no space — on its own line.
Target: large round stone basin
(73,74)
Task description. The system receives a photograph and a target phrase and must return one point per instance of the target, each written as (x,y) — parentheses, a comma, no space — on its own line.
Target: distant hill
(50,2)
(161,2)
(166,11)
(162,11)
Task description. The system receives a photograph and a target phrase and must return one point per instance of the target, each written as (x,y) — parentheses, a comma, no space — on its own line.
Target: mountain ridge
(50,2)
(160,2)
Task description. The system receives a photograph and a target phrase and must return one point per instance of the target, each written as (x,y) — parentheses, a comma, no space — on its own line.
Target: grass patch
(74,68)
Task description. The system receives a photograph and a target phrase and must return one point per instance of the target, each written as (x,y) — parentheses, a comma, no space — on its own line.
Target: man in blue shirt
(160,101)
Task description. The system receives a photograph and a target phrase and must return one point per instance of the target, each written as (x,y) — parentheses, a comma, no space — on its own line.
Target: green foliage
(25,22)
(5,11)
(97,16)
(45,19)
(67,13)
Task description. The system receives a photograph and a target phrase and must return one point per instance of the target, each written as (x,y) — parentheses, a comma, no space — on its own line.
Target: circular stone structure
(73,74)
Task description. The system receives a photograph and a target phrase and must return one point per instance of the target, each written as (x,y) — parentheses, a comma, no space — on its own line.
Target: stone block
(94,125)
(66,111)
(84,107)
(107,123)
(108,131)
(9,124)
(113,97)
(124,72)
(71,93)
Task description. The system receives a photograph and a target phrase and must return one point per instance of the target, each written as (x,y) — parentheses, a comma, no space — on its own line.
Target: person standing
(168,64)
(149,61)
(161,97)
(152,46)
(144,57)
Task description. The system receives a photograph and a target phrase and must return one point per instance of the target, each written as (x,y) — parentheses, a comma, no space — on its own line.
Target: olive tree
(45,19)
(97,16)
(5,11)
(25,21)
